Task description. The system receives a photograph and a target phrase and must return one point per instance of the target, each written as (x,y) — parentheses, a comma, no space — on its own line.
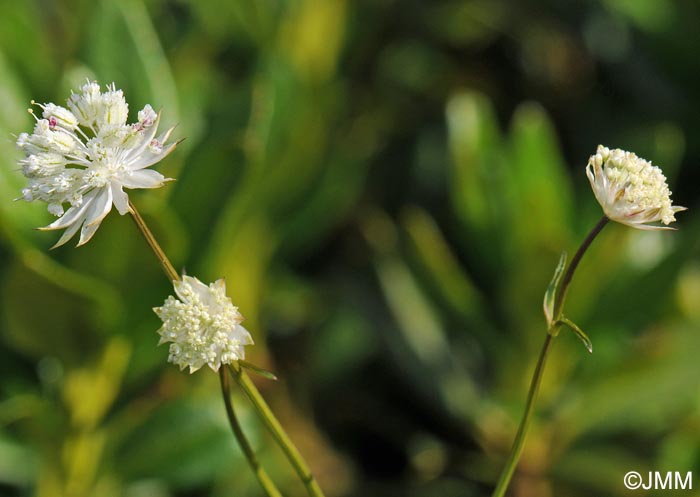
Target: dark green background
(386,187)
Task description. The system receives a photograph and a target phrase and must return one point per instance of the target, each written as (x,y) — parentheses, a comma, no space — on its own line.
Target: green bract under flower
(630,190)
(202,326)
(84,156)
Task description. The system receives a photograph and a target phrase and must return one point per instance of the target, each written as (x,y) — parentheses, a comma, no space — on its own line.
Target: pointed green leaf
(579,333)
(551,293)
(255,369)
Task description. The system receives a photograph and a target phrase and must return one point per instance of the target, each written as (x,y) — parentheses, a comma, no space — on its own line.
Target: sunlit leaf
(551,293)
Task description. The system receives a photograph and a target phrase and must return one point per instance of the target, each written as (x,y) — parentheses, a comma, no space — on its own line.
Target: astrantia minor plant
(80,159)
(631,191)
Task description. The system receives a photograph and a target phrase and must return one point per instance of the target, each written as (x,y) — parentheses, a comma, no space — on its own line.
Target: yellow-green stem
(560,297)
(153,243)
(265,482)
(173,275)
(283,440)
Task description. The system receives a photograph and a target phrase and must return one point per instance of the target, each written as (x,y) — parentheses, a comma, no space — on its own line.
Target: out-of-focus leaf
(240,255)
(311,36)
(480,191)
(34,56)
(412,65)
(422,338)
(471,23)
(637,298)
(153,60)
(344,345)
(89,392)
(608,463)
(58,328)
(185,443)
(544,194)
(14,120)
(17,463)
(81,457)
(442,265)
(653,15)
(656,381)
(475,144)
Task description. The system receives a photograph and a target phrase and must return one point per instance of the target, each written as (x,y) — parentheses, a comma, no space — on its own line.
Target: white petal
(244,335)
(120,199)
(101,207)
(87,232)
(143,179)
(72,215)
(68,234)
(148,159)
(147,137)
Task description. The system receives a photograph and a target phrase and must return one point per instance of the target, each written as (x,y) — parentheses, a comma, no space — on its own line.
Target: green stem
(289,449)
(568,276)
(153,243)
(173,275)
(265,482)
(519,442)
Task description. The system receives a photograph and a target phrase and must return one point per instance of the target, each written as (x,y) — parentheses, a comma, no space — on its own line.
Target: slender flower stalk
(277,431)
(519,443)
(260,473)
(248,387)
(566,280)
(631,192)
(81,158)
(153,243)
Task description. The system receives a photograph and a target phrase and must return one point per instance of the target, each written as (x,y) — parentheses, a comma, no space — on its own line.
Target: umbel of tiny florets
(202,326)
(630,190)
(84,156)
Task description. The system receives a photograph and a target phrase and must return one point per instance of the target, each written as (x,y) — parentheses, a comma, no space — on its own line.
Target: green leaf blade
(551,293)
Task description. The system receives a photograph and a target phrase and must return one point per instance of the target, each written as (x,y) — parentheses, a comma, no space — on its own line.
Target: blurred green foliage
(387,186)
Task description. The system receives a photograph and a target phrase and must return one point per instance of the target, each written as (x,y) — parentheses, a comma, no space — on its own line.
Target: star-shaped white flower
(630,190)
(84,156)
(202,325)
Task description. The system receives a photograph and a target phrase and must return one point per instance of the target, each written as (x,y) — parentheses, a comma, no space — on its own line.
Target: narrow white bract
(84,156)
(631,190)
(202,326)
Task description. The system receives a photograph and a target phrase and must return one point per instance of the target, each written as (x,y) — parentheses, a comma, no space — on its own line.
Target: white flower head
(630,190)
(202,325)
(84,156)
